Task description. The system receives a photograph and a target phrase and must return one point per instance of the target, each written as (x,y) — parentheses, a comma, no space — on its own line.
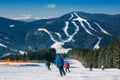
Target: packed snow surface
(38,71)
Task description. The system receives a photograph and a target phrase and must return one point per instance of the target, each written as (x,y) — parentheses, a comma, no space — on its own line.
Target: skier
(91,67)
(60,64)
(102,67)
(67,65)
(48,65)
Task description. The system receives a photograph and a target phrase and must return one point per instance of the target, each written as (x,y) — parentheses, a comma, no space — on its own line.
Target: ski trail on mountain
(58,45)
(96,46)
(102,30)
(84,20)
(2,45)
(66,28)
(81,22)
(11,26)
(58,34)
(77,28)
(45,30)
(70,36)
(6,38)
(90,26)
(71,17)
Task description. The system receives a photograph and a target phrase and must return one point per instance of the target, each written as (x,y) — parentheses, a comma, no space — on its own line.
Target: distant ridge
(72,30)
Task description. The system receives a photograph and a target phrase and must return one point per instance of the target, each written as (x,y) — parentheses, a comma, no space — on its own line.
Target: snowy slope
(38,71)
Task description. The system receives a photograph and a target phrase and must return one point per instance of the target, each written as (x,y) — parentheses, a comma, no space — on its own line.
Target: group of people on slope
(91,66)
(60,65)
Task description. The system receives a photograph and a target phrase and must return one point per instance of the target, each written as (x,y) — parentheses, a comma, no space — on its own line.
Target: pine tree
(118,60)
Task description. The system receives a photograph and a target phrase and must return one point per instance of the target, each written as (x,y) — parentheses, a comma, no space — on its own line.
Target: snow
(66,28)
(97,44)
(4,37)
(3,45)
(38,71)
(22,52)
(11,26)
(13,49)
(102,30)
(84,20)
(5,41)
(7,54)
(59,48)
(81,20)
(58,34)
(70,37)
(71,17)
(57,45)
(90,26)
(45,30)
(29,47)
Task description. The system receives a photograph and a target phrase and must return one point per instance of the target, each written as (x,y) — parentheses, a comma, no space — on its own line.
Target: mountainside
(76,29)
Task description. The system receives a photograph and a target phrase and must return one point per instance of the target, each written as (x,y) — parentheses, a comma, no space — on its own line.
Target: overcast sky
(55,8)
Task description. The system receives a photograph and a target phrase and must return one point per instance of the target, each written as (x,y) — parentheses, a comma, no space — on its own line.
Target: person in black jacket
(91,67)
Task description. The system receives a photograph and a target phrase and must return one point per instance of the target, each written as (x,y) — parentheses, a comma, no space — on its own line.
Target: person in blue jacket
(60,64)
(48,65)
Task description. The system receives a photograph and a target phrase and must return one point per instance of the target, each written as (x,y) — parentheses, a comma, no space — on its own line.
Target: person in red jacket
(67,65)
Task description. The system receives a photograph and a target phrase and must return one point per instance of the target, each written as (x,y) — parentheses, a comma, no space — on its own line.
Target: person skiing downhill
(67,65)
(60,64)
(48,65)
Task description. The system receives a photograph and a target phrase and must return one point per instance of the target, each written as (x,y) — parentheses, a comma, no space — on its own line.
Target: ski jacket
(47,63)
(67,65)
(59,61)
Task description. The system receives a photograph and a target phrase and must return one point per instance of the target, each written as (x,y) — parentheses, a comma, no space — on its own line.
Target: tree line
(109,57)
(46,54)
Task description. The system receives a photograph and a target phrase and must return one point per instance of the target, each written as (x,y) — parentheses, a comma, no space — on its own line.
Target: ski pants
(61,70)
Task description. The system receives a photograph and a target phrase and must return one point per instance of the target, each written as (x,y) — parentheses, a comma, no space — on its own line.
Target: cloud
(46,17)
(52,6)
(25,17)
(28,16)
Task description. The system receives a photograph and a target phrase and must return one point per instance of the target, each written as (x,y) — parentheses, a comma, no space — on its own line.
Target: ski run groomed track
(38,71)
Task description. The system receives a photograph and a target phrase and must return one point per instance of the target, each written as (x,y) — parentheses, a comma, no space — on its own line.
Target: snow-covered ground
(38,71)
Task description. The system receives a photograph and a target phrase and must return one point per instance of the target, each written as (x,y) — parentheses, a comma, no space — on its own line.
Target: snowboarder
(48,65)
(67,65)
(60,64)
